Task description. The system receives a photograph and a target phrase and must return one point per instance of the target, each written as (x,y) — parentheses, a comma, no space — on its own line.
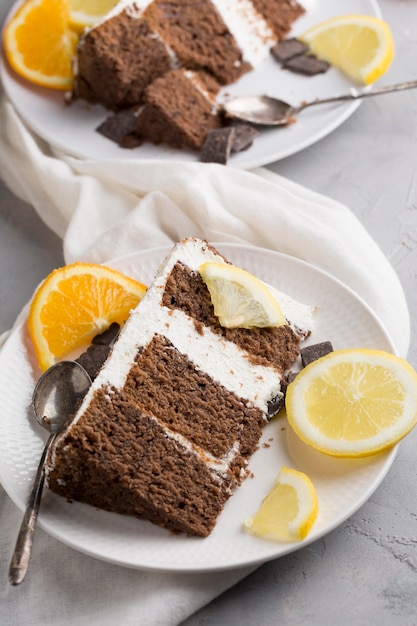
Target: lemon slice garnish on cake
(39,43)
(240,300)
(353,403)
(86,13)
(361,46)
(75,303)
(288,511)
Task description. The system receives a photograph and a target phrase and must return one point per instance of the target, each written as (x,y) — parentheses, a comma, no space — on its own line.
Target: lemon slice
(353,403)
(239,299)
(360,45)
(289,510)
(76,302)
(86,13)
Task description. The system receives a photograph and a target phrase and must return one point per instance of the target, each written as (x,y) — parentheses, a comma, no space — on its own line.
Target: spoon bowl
(55,400)
(267,111)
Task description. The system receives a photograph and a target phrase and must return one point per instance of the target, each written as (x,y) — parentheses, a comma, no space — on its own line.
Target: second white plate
(72,128)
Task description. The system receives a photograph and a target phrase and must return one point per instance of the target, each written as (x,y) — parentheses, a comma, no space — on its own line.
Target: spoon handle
(23,549)
(357,95)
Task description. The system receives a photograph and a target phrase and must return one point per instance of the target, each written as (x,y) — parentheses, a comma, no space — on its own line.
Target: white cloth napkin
(105,209)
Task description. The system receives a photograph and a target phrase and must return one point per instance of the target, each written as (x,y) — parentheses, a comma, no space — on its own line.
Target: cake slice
(167,429)
(118,59)
(139,40)
(179,109)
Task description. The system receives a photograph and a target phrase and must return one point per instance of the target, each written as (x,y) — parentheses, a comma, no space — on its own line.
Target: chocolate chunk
(306,64)
(118,125)
(274,406)
(218,145)
(314,352)
(93,359)
(244,136)
(107,338)
(288,49)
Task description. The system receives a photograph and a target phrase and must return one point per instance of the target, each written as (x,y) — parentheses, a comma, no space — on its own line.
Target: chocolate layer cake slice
(140,40)
(179,109)
(169,425)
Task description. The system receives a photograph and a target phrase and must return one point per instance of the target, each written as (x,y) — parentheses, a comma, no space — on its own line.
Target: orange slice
(39,43)
(75,303)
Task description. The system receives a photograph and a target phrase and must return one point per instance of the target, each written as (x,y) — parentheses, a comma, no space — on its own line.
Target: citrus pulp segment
(39,44)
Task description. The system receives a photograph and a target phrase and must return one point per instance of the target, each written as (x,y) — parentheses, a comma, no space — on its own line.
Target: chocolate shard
(243,137)
(307,64)
(314,352)
(118,125)
(276,404)
(93,358)
(218,145)
(288,48)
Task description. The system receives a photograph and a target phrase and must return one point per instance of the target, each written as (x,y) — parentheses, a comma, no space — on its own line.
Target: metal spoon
(268,111)
(54,401)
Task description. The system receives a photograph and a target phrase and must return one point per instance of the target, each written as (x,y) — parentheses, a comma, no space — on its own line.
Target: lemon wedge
(353,403)
(86,13)
(360,45)
(240,300)
(288,511)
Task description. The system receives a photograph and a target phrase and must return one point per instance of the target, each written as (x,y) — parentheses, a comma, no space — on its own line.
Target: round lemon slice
(361,46)
(240,300)
(353,403)
(86,13)
(288,511)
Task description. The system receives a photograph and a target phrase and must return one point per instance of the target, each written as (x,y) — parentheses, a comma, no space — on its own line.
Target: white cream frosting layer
(251,32)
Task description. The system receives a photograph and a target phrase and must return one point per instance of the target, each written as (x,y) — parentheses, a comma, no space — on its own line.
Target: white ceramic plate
(72,128)
(342,485)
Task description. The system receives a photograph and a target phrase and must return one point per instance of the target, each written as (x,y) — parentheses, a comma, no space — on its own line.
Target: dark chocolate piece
(275,405)
(314,352)
(118,125)
(107,338)
(289,48)
(306,64)
(93,359)
(243,137)
(218,145)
